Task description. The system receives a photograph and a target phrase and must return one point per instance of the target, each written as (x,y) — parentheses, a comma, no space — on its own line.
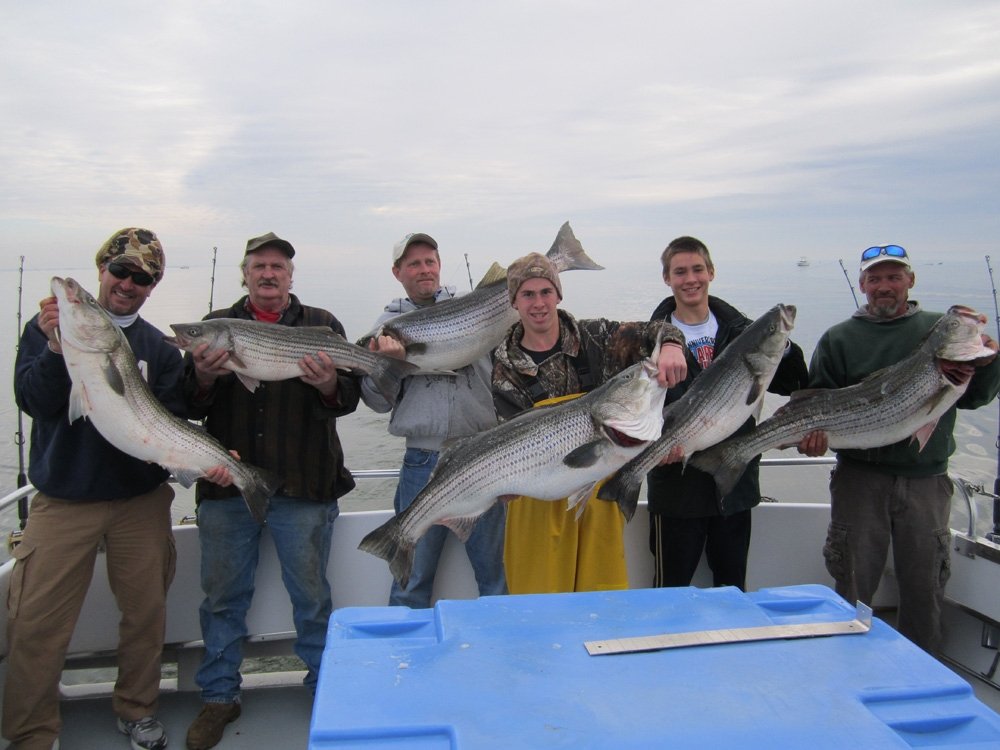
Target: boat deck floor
(272,718)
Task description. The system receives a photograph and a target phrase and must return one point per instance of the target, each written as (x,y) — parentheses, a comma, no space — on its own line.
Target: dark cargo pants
(870,509)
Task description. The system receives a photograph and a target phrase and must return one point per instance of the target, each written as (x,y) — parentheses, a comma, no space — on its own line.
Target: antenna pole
(211,291)
(469,271)
(849,284)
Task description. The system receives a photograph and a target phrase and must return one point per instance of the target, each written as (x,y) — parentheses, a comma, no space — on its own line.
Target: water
(627,291)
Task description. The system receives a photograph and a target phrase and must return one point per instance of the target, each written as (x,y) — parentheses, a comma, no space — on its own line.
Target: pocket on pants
(836,552)
(21,554)
(944,558)
(170,566)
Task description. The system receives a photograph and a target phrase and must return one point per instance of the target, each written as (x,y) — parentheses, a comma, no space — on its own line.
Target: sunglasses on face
(121,271)
(893,251)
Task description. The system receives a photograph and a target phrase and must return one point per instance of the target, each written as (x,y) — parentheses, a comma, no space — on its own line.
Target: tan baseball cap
(400,248)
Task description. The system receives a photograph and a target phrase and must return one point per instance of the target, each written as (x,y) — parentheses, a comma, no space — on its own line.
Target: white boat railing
(12,497)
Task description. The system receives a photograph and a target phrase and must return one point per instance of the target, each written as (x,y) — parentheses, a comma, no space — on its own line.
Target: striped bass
(109,390)
(719,401)
(261,351)
(904,400)
(548,453)
(456,332)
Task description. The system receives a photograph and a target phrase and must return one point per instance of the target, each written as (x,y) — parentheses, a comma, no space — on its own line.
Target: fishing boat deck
(785,550)
(275,717)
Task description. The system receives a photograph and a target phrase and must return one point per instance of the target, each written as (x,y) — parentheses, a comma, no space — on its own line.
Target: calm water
(626,292)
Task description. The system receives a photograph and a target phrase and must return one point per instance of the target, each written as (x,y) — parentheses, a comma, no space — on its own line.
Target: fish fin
(723,464)
(584,456)
(184,477)
(462,526)
(250,383)
(387,542)
(257,488)
(113,376)
(388,374)
(446,373)
(416,348)
(757,388)
(79,403)
(580,498)
(237,361)
(622,489)
(924,434)
(494,274)
(567,254)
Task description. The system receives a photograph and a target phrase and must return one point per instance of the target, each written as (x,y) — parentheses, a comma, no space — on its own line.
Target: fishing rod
(469,271)
(849,284)
(995,534)
(22,477)
(211,291)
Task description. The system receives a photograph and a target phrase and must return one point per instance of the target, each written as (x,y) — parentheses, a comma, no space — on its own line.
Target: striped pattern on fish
(109,390)
(719,401)
(456,332)
(260,351)
(548,453)
(898,402)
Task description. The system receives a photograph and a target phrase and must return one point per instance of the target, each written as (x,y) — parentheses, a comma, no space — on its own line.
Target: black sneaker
(145,733)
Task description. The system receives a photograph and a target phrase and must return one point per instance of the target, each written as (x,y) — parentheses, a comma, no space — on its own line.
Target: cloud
(349,123)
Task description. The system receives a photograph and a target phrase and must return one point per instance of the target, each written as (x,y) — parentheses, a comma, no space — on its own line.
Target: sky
(769,129)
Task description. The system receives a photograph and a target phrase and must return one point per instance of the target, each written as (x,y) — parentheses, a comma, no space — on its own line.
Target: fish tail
(623,489)
(388,374)
(723,463)
(388,542)
(567,254)
(257,486)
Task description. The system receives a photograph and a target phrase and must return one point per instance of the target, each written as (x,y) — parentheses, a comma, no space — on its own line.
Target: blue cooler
(512,672)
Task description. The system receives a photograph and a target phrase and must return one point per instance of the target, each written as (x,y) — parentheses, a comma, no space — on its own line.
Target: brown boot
(206,730)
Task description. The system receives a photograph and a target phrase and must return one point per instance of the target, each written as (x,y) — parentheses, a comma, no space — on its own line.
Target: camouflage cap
(531,266)
(139,247)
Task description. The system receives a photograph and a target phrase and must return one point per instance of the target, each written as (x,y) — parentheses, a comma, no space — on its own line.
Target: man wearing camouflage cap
(91,494)
(550,356)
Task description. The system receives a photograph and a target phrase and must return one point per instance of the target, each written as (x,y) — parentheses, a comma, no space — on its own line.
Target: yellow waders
(547,550)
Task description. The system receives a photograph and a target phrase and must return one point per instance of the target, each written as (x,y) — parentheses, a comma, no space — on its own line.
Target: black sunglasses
(121,271)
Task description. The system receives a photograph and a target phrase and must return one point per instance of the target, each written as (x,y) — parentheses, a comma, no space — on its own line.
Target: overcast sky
(772,129)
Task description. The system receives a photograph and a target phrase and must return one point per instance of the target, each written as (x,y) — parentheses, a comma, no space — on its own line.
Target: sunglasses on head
(893,251)
(121,271)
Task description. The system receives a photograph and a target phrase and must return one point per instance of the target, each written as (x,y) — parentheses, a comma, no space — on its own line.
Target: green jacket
(851,351)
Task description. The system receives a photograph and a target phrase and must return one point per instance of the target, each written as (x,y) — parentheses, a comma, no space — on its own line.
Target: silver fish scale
(282,347)
(474,314)
(138,424)
(521,460)
(132,420)
(525,456)
(873,413)
(716,403)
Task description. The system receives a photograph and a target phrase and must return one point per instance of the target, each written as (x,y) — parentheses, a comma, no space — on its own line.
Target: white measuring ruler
(861,623)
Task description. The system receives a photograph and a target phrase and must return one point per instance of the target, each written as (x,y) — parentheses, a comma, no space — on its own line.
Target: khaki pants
(870,509)
(53,570)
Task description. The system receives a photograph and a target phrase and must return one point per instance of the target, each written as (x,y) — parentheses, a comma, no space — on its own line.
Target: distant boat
(803,261)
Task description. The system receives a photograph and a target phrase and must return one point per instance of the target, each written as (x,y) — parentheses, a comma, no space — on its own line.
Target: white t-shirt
(700,338)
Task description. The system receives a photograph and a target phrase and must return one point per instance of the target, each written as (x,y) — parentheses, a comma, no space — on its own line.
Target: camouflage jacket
(597,348)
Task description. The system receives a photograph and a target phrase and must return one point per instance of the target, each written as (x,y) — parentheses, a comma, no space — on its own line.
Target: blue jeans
(484,547)
(230,547)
